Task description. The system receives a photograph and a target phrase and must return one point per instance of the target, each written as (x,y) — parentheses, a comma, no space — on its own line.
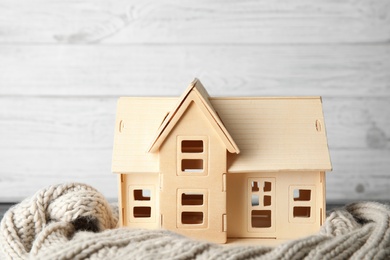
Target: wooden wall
(63,64)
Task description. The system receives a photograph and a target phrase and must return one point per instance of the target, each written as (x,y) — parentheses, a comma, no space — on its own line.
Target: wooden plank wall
(63,64)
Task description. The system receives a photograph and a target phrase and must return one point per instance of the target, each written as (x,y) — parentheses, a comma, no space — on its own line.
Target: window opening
(192,146)
(142,194)
(255,200)
(301,212)
(192,156)
(192,218)
(192,165)
(302,202)
(302,195)
(261,218)
(267,200)
(191,199)
(142,212)
(192,208)
(261,204)
(267,186)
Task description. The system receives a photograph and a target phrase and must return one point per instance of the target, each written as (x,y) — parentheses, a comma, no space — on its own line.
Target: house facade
(219,168)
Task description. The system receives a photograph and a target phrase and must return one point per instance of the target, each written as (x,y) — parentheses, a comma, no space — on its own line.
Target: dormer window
(192,155)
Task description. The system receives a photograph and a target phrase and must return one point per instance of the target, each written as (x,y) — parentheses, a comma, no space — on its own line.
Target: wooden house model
(218,168)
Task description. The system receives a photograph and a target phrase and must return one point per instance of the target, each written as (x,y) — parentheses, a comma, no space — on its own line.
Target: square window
(261,218)
(142,212)
(192,165)
(191,218)
(192,146)
(141,194)
(302,195)
(191,199)
(301,212)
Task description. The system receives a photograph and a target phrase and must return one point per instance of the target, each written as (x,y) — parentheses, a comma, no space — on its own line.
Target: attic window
(192,146)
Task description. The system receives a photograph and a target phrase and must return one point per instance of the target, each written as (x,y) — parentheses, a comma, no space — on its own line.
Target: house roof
(137,120)
(274,134)
(198,94)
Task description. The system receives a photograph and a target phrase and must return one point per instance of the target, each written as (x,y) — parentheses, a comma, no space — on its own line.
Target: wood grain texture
(100,70)
(63,64)
(199,22)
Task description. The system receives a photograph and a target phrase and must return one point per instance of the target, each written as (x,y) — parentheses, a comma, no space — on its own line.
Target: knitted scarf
(74,221)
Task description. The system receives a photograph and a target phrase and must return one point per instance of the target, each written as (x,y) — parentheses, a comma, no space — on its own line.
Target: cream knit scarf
(74,221)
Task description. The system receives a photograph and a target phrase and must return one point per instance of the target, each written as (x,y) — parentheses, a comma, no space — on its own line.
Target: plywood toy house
(215,168)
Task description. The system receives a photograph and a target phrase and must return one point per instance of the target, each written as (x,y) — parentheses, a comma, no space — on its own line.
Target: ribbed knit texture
(74,221)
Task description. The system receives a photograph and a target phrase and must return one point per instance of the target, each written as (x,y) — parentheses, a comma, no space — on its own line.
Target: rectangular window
(255,200)
(192,208)
(302,204)
(261,218)
(267,200)
(192,155)
(301,212)
(142,204)
(142,212)
(192,218)
(302,195)
(192,165)
(261,193)
(192,146)
(191,199)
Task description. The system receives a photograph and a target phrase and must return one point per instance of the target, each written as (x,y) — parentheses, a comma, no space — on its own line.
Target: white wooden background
(63,64)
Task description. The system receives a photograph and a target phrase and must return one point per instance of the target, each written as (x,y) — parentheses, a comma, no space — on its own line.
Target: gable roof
(274,134)
(198,94)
